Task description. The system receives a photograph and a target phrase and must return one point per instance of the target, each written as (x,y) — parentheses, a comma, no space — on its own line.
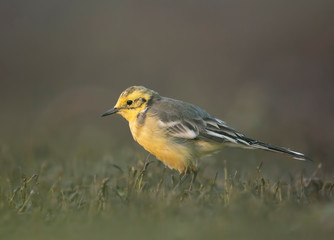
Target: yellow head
(132,101)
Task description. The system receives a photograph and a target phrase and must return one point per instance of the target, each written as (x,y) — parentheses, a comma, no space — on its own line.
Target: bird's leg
(161,180)
(183,176)
(194,172)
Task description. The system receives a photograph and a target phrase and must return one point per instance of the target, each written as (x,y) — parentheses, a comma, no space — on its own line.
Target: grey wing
(182,129)
(180,119)
(186,121)
(208,128)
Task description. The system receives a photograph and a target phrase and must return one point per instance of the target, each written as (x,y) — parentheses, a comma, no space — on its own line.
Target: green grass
(100,200)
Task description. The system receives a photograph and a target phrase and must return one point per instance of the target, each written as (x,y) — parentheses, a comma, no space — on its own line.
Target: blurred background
(264,67)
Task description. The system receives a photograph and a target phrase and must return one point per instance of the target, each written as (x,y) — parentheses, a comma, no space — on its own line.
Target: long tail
(217,130)
(269,147)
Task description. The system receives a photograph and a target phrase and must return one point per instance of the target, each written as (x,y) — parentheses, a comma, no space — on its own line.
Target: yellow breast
(154,139)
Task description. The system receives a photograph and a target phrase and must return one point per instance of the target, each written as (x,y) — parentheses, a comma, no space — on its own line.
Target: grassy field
(80,200)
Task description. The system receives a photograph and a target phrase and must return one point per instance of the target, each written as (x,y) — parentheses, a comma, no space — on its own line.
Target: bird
(179,133)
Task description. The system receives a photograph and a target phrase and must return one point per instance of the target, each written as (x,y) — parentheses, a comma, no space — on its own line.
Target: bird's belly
(153,138)
(207,147)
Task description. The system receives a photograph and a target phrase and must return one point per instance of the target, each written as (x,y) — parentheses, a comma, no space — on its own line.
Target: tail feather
(269,147)
(218,131)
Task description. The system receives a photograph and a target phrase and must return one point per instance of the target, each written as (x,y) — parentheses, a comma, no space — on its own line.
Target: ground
(77,200)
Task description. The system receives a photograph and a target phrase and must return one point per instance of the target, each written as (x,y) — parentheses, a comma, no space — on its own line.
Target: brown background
(264,67)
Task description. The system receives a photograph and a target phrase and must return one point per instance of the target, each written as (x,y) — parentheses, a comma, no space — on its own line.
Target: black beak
(110,111)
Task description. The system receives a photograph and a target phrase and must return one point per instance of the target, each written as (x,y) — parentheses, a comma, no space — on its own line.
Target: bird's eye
(129,102)
(143,99)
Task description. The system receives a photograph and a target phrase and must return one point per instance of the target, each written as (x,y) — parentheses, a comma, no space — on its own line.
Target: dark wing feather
(182,120)
(218,128)
(187,121)
(182,129)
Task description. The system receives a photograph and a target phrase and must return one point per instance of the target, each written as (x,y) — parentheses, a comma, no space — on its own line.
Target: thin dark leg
(193,179)
(161,180)
(183,177)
